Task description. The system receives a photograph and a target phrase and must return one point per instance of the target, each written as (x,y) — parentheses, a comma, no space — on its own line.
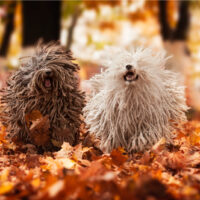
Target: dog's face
(50,71)
(126,74)
(49,79)
(131,74)
(132,68)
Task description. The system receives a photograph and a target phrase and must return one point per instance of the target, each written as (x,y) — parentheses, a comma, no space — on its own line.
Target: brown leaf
(39,131)
(33,116)
(119,156)
(175,160)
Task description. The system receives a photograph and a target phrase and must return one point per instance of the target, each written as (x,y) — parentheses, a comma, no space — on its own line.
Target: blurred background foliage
(86,26)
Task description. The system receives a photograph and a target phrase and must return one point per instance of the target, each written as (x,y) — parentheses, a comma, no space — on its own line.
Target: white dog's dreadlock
(135,101)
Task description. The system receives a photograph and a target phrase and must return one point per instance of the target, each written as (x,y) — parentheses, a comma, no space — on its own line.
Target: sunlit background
(86,27)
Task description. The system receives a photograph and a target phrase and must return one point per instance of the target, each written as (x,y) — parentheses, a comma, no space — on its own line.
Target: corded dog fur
(135,101)
(47,82)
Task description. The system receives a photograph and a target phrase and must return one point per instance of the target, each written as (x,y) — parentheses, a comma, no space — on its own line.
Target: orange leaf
(6,187)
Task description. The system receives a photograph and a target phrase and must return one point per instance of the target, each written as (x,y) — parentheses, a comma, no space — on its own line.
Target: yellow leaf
(5,187)
(194,139)
(67,163)
(36,183)
(4,175)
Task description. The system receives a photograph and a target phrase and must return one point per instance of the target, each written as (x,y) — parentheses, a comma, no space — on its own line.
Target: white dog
(135,101)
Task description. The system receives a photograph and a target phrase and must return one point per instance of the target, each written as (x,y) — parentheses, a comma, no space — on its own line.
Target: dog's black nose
(48,72)
(128,67)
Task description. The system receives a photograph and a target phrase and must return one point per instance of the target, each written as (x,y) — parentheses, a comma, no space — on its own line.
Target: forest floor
(166,171)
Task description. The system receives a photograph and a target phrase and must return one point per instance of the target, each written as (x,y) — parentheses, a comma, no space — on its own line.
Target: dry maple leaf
(119,156)
(76,154)
(76,172)
(39,128)
(174,161)
(95,171)
(33,116)
(65,151)
(147,158)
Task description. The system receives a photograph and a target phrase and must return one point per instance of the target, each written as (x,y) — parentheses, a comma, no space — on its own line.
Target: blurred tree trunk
(74,20)
(175,39)
(180,31)
(8,29)
(41,19)
(164,26)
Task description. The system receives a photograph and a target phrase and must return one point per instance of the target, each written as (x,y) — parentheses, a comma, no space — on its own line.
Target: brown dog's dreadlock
(47,82)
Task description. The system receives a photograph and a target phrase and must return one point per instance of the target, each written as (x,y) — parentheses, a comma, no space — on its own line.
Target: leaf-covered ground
(82,172)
